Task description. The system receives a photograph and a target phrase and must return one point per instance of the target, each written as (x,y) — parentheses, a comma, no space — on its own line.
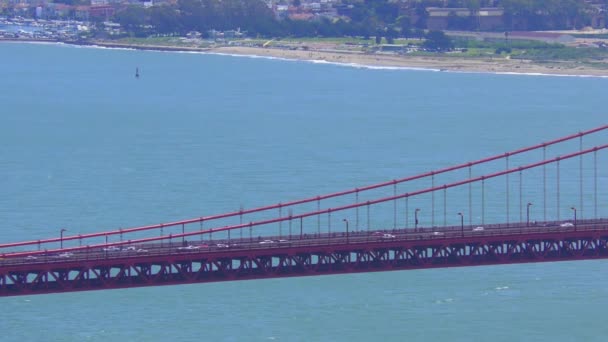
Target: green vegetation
(369,18)
(365,24)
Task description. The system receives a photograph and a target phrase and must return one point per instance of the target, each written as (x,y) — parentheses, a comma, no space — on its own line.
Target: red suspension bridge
(469,214)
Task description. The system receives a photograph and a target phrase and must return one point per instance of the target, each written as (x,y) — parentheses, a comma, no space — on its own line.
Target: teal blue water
(86,145)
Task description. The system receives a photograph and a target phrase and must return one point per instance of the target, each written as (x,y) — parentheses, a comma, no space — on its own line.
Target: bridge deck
(241,259)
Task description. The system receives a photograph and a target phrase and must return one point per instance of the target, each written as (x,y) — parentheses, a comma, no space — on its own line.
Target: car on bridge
(567,224)
(187,248)
(478,229)
(388,236)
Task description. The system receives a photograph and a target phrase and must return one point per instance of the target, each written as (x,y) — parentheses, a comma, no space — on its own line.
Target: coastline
(494,65)
(437,63)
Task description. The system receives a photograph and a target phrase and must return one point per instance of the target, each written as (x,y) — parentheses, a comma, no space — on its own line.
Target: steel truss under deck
(202,267)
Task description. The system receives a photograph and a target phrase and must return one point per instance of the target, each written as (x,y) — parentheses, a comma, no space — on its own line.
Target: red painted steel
(405,252)
(100,266)
(312,199)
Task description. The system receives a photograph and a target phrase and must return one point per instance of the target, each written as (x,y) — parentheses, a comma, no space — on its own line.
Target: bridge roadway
(179,262)
(306,240)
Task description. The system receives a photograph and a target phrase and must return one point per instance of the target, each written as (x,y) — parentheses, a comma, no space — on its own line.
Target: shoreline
(434,63)
(493,65)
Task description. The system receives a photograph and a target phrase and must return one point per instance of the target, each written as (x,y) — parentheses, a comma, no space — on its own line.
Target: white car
(222,245)
(112,249)
(438,234)
(187,248)
(478,229)
(30,257)
(567,224)
(388,236)
(266,242)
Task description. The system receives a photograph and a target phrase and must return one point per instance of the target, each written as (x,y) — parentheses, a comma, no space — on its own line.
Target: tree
(132,18)
(438,41)
(165,19)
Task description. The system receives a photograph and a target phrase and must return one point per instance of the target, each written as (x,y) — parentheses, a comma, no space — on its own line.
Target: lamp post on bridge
(416,219)
(528,214)
(461,224)
(61,237)
(346,221)
(574,209)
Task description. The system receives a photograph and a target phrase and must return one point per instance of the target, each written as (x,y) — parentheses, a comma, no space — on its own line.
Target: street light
(61,237)
(346,221)
(461,223)
(416,219)
(528,214)
(574,209)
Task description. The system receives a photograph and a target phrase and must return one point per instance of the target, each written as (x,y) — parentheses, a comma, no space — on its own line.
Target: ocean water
(86,145)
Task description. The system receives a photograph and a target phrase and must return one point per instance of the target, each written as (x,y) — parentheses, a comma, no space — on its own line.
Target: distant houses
(485,19)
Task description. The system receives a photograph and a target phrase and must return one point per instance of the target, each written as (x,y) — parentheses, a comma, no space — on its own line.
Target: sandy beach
(388,60)
(448,63)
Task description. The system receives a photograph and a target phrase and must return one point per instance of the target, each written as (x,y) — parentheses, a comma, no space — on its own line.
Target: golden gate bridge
(349,231)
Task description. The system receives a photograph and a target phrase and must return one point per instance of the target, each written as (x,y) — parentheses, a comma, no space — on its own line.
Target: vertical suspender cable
(557,188)
(433,200)
(281,221)
(445,203)
(407,211)
(483,201)
(241,222)
(202,227)
(290,215)
(395,206)
(581,210)
(595,182)
(507,189)
(520,197)
(544,184)
(357,209)
(470,198)
(319,216)
(328,223)
(368,216)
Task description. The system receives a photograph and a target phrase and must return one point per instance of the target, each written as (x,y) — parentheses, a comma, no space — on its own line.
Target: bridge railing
(348,241)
